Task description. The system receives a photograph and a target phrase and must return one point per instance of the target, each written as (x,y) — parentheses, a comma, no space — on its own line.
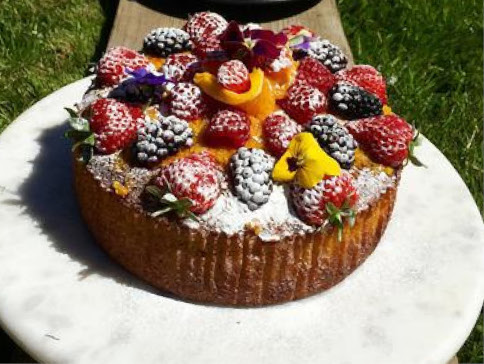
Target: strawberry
(228,128)
(205,24)
(333,198)
(303,101)
(279,129)
(234,76)
(385,138)
(294,30)
(367,78)
(186,101)
(115,63)
(315,74)
(194,179)
(114,124)
(180,66)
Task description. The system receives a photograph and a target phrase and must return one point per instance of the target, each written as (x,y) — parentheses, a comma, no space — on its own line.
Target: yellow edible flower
(305,162)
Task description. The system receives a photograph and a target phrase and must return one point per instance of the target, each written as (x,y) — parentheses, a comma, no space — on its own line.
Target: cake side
(214,267)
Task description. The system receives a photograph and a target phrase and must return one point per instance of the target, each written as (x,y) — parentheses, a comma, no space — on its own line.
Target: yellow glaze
(305,162)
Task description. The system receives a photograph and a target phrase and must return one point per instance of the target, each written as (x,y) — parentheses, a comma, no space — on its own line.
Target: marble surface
(415,300)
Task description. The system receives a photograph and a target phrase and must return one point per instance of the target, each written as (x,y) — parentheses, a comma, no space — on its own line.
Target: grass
(430,51)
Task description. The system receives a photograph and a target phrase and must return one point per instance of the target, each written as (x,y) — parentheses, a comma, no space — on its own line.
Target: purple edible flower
(142,76)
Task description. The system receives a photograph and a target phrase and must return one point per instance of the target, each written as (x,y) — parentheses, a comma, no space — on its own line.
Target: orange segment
(157,61)
(263,105)
(208,83)
(281,80)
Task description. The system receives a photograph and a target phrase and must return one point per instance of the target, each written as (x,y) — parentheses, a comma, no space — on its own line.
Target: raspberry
(311,204)
(180,67)
(162,42)
(234,76)
(113,66)
(385,138)
(352,102)
(315,74)
(114,124)
(303,101)
(186,101)
(195,178)
(334,138)
(228,128)
(279,129)
(251,169)
(208,46)
(367,78)
(283,61)
(205,24)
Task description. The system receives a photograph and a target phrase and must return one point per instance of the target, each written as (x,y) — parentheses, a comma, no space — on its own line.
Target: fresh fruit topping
(387,139)
(116,63)
(303,101)
(180,67)
(228,128)
(282,62)
(162,42)
(304,162)
(333,198)
(315,74)
(114,124)
(205,24)
(279,129)
(255,48)
(186,101)
(251,169)
(81,135)
(297,30)
(327,53)
(142,86)
(157,140)
(367,78)
(234,76)
(209,84)
(352,102)
(208,46)
(194,178)
(334,138)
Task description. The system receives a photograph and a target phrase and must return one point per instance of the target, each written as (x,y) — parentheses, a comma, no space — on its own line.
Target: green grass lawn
(430,51)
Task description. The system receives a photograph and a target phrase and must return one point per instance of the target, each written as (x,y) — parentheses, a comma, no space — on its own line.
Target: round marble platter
(414,300)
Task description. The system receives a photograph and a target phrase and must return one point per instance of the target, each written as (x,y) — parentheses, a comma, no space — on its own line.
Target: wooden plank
(134,20)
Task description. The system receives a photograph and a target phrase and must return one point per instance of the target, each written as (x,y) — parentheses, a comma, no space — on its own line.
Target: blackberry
(328,54)
(131,91)
(157,140)
(165,41)
(334,138)
(251,169)
(352,102)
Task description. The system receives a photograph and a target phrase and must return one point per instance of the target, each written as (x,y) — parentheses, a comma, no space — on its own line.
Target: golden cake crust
(239,270)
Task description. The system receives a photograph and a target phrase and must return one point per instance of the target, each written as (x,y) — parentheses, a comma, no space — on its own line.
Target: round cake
(230,164)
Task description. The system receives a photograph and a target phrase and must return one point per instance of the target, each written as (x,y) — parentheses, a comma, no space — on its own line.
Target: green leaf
(79,124)
(72,113)
(181,207)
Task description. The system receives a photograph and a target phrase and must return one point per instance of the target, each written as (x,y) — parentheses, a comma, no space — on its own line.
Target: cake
(229,164)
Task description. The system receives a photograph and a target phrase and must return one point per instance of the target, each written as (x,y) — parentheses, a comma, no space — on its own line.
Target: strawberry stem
(166,201)
(416,141)
(336,216)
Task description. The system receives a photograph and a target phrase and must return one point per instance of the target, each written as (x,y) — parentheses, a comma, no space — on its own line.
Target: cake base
(211,267)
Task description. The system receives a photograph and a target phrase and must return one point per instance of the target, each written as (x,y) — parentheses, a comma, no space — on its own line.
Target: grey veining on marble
(415,300)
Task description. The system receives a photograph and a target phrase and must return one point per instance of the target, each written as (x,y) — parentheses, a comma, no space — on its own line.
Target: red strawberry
(316,74)
(279,129)
(113,66)
(332,198)
(180,66)
(385,138)
(234,76)
(114,124)
(367,78)
(228,128)
(205,24)
(195,177)
(294,30)
(186,101)
(303,101)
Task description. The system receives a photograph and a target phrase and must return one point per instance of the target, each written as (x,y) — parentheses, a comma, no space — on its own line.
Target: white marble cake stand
(415,300)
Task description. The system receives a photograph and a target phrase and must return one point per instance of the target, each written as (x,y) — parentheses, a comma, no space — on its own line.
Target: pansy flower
(254,47)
